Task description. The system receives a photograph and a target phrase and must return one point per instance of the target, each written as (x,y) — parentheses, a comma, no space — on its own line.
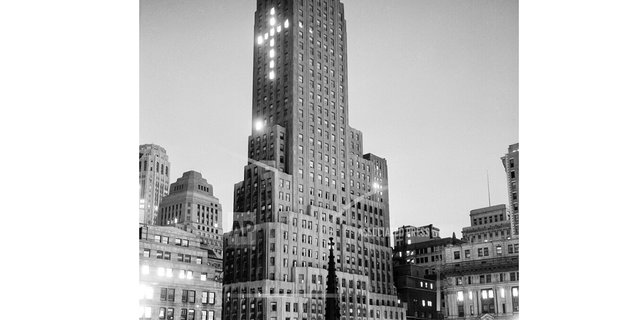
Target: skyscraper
(511,162)
(153,174)
(307,179)
(191,206)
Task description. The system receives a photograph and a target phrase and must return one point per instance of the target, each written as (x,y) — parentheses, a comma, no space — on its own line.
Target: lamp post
(332,308)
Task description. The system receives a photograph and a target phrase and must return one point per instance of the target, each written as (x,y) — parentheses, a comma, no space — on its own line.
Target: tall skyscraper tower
(192,207)
(307,179)
(153,173)
(511,161)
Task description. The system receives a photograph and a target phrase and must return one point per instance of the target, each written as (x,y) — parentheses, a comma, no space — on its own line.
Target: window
(203,276)
(147,253)
(456,255)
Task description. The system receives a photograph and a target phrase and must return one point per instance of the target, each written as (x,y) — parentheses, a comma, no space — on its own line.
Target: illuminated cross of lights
(269,37)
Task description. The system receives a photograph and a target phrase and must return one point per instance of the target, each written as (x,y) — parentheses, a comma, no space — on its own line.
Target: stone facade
(153,176)
(511,163)
(482,279)
(488,223)
(179,279)
(307,179)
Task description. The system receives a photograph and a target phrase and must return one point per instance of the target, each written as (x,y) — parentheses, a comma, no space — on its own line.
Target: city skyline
(454,117)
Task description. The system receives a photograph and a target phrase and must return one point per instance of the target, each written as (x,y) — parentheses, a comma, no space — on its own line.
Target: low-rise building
(417,291)
(179,279)
(482,280)
(488,223)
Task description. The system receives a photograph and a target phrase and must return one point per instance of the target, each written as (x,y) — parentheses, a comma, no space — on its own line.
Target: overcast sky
(433,85)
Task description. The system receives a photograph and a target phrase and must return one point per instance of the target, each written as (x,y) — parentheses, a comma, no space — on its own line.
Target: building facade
(153,174)
(410,234)
(191,206)
(488,223)
(482,279)
(179,279)
(417,291)
(511,163)
(307,179)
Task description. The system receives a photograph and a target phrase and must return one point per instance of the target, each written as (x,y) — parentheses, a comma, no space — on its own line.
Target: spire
(454,235)
(332,308)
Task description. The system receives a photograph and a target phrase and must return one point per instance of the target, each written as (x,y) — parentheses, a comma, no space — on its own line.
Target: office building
(511,161)
(179,279)
(482,280)
(307,179)
(192,207)
(488,224)
(417,291)
(153,174)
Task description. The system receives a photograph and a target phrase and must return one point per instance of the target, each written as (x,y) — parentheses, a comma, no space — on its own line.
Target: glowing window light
(286,23)
(145,269)
(203,277)
(279,28)
(271,64)
(272,75)
(161,272)
(273,11)
(189,274)
(259,125)
(147,312)
(272,42)
(272,31)
(501,292)
(484,294)
(272,53)
(311,30)
(423,303)
(272,21)
(149,293)
(142,291)
(460,296)
(300,24)
(181,275)
(470,295)
(266,36)
(260,40)
(514,292)
(491,294)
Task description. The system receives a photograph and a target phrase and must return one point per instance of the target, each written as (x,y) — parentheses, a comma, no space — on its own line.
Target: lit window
(260,40)
(189,274)
(272,41)
(203,276)
(460,296)
(271,64)
(273,11)
(470,295)
(181,274)
(501,292)
(272,21)
(279,28)
(514,291)
(145,269)
(272,53)
(271,75)
(272,32)
(169,272)
(161,272)
(147,312)
(266,36)
(286,23)
(423,303)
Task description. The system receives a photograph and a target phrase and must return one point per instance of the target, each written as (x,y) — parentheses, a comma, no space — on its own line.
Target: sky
(433,86)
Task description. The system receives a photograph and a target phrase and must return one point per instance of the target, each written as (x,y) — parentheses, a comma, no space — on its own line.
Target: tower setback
(306,180)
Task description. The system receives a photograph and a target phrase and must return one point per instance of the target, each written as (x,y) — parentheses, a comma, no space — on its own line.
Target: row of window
(489,278)
(168,272)
(168,314)
(165,240)
(484,252)
(166,255)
